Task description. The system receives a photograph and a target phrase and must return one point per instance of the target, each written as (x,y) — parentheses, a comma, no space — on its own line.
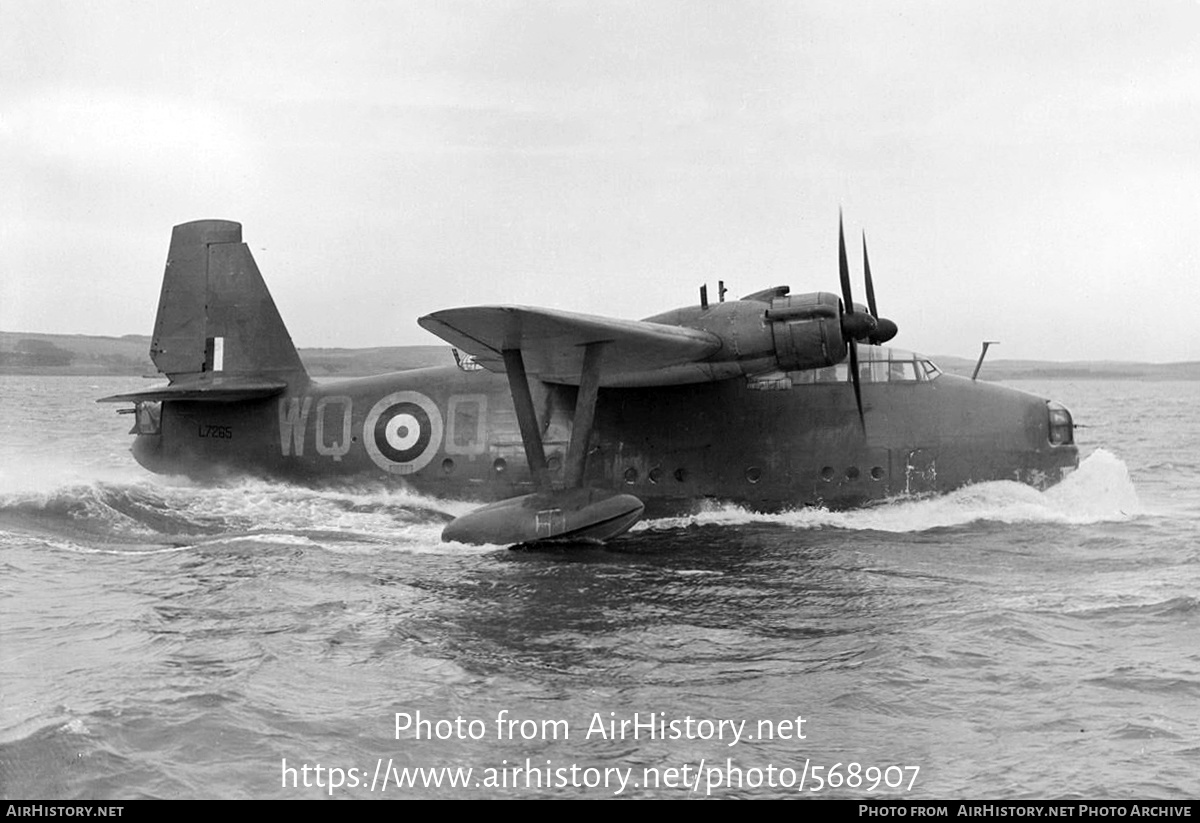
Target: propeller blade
(867,276)
(884,329)
(854,378)
(844,269)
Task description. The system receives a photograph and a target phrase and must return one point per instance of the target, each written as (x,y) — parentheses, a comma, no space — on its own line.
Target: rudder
(215,314)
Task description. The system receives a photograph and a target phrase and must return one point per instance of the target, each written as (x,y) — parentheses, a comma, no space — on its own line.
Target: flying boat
(572,427)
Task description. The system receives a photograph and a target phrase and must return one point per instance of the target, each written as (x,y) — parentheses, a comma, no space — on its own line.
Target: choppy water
(161,639)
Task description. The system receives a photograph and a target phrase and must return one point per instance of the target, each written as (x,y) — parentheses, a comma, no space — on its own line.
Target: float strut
(585,414)
(531,433)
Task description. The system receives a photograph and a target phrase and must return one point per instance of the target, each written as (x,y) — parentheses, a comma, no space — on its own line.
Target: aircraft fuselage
(767,444)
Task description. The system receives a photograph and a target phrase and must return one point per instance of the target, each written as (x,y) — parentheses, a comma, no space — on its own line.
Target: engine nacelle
(807,330)
(801,331)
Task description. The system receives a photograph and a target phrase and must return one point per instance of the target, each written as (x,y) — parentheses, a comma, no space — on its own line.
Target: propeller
(854,324)
(857,325)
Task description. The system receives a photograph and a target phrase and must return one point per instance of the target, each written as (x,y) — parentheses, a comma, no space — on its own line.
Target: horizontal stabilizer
(212,389)
(553,342)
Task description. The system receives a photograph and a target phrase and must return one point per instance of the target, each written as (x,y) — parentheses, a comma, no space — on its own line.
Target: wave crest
(1100,490)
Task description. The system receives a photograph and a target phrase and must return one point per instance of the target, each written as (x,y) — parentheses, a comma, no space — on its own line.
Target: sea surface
(162,639)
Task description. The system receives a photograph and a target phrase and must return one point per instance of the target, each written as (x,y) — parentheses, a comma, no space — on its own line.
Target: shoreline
(80,355)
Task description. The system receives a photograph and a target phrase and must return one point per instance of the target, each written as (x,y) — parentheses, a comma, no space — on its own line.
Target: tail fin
(215,315)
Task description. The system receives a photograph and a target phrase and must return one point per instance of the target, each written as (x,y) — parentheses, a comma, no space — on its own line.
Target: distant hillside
(32,353)
(78,354)
(1071,370)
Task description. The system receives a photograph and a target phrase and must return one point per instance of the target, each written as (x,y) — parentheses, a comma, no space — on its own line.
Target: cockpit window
(876,364)
(902,370)
(874,371)
(879,364)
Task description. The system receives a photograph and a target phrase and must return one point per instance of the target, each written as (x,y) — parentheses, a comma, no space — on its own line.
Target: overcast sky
(1027,172)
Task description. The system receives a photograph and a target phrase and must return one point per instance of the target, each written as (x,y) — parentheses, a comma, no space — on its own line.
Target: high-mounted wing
(553,343)
(560,347)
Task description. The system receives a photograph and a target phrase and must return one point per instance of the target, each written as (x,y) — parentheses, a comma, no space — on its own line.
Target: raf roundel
(402,432)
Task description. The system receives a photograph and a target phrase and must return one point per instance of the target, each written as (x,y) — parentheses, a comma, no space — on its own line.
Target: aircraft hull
(454,434)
